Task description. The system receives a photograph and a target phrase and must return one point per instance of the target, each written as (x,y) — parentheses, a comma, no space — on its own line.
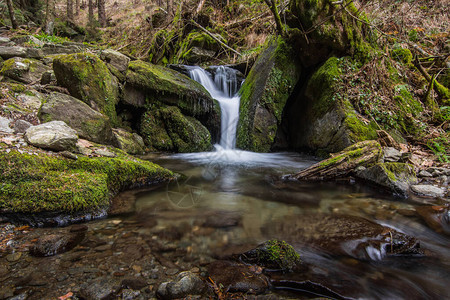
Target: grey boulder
(55,135)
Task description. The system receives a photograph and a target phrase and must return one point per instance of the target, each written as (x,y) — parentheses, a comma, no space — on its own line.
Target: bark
(12,14)
(77,7)
(343,163)
(91,11)
(273,8)
(70,9)
(101,13)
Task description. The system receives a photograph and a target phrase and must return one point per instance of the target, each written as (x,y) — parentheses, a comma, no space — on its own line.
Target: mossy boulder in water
(323,119)
(129,142)
(148,84)
(88,123)
(273,254)
(167,129)
(88,79)
(44,183)
(264,95)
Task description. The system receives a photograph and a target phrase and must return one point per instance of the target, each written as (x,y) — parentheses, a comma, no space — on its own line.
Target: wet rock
(55,135)
(99,289)
(88,123)
(237,277)
(13,257)
(185,284)
(343,235)
(53,244)
(20,126)
(223,219)
(390,154)
(428,190)
(273,254)
(4,125)
(133,283)
(395,177)
(437,217)
(128,294)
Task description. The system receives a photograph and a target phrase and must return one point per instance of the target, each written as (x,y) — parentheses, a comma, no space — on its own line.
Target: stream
(227,202)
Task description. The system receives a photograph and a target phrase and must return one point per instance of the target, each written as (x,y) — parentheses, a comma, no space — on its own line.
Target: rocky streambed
(225,230)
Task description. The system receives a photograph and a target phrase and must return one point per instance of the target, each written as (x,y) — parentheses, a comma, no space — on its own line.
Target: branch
(214,37)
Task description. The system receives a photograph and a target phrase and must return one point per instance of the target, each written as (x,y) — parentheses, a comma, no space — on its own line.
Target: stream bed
(228,202)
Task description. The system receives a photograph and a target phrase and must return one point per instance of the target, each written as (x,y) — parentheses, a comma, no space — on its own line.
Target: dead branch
(214,37)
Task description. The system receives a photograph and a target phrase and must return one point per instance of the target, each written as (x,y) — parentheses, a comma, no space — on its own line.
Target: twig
(214,37)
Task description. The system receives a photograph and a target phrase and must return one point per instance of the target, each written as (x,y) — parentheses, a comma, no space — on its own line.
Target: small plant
(51,38)
(439,147)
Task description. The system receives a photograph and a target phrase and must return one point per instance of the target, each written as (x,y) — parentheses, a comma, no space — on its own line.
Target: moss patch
(87,78)
(33,184)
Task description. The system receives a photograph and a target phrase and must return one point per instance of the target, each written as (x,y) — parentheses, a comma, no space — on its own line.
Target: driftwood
(341,164)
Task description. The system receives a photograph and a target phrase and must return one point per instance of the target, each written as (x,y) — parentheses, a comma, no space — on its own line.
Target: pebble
(13,257)
(428,190)
(425,173)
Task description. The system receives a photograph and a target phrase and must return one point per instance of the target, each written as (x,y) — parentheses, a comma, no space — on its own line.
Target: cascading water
(223,86)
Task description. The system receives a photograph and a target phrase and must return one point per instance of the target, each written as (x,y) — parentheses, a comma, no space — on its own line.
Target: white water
(224,89)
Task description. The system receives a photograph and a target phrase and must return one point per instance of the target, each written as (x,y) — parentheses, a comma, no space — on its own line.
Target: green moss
(398,171)
(279,254)
(353,152)
(266,89)
(359,131)
(402,55)
(88,78)
(406,101)
(32,183)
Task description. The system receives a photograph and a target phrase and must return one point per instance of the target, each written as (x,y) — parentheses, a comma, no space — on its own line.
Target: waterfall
(223,86)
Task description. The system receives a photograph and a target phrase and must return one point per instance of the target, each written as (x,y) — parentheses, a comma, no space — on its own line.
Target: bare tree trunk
(77,7)
(70,9)
(91,12)
(101,13)
(11,14)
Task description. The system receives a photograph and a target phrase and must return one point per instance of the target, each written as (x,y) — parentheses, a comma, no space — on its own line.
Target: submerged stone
(184,285)
(53,244)
(343,235)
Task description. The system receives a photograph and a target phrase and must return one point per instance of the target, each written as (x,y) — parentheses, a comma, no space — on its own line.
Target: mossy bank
(46,183)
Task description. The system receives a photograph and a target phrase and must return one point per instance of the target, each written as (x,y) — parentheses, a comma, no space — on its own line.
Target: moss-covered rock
(88,79)
(31,184)
(273,254)
(167,129)
(264,95)
(332,27)
(148,84)
(23,70)
(129,142)
(88,123)
(393,176)
(323,119)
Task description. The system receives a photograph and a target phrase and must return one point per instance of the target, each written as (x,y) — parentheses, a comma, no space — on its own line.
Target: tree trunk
(77,7)
(11,14)
(101,13)
(91,12)
(70,9)
(273,8)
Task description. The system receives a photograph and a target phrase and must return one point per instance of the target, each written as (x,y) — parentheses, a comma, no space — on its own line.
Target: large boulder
(321,119)
(148,84)
(264,95)
(88,123)
(88,79)
(167,129)
(115,59)
(24,70)
(55,135)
